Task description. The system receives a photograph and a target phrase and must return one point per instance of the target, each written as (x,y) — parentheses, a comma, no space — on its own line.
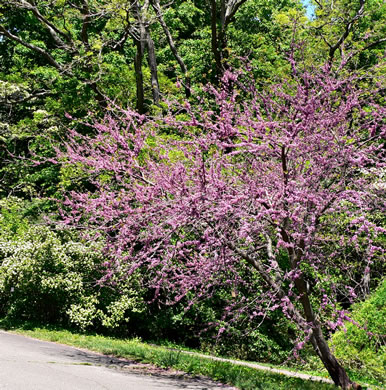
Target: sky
(309,8)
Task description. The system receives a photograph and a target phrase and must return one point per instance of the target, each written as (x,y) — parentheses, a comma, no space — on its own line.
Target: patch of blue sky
(310,8)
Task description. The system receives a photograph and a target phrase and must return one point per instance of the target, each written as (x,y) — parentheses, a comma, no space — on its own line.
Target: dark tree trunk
(153,67)
(142,40)
(140,105)
(217,53)
(305,320)
(221,37)
(224,17)
(336,371)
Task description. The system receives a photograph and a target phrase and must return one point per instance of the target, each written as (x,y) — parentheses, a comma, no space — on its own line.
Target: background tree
(142,38)
(351,32)
(221,16)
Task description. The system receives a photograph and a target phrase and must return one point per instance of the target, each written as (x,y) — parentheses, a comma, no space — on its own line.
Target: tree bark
(153,67)
(140,104)
(336,371)
(214,42)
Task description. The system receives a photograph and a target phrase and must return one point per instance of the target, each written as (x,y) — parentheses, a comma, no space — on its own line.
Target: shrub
(49,276)
(363,348)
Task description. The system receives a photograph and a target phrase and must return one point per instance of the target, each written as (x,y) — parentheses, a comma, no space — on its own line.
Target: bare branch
(231,8)
(50,59)
(369,46)
(274,285)
(157,8)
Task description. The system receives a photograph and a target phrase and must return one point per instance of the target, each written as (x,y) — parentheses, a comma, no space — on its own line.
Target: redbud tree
(280,184)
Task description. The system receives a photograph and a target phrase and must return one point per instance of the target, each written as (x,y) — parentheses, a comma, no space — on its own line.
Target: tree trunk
(308,318)
(221,36)
(140,106)
(153,67)
(336,371)
(143,39)
(216,50)
(228,9)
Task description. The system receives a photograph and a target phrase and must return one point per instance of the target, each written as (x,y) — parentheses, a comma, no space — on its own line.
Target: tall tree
(78,38)
(222,14)
(140,31)
(350,30)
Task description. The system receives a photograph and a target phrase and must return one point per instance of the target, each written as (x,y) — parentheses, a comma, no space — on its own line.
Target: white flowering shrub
(50,277)
(84,312)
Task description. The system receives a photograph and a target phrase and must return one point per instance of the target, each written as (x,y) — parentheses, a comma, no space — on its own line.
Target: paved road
(29,364)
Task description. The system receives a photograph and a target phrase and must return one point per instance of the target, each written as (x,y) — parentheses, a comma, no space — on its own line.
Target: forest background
(65,63)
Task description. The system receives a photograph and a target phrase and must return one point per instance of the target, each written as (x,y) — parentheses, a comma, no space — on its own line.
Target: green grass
(225,372)
(314,368)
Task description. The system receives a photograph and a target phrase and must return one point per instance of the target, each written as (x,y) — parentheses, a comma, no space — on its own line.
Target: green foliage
(263,31)
(269,343)
(363,348)
(245,338)
(12,220)
(364,44)
(52,276)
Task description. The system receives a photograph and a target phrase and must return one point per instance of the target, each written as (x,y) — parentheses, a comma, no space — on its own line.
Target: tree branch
(6,100)
(157,8)
(86,20)
(54,31)
(231,9)
(37,49)
(347,31)
(369,46)
(269,281)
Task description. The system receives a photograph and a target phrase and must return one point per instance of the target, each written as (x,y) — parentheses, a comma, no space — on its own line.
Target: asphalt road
(29,364)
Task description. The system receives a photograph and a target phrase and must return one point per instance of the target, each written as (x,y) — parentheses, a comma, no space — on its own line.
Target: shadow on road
(177,378)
